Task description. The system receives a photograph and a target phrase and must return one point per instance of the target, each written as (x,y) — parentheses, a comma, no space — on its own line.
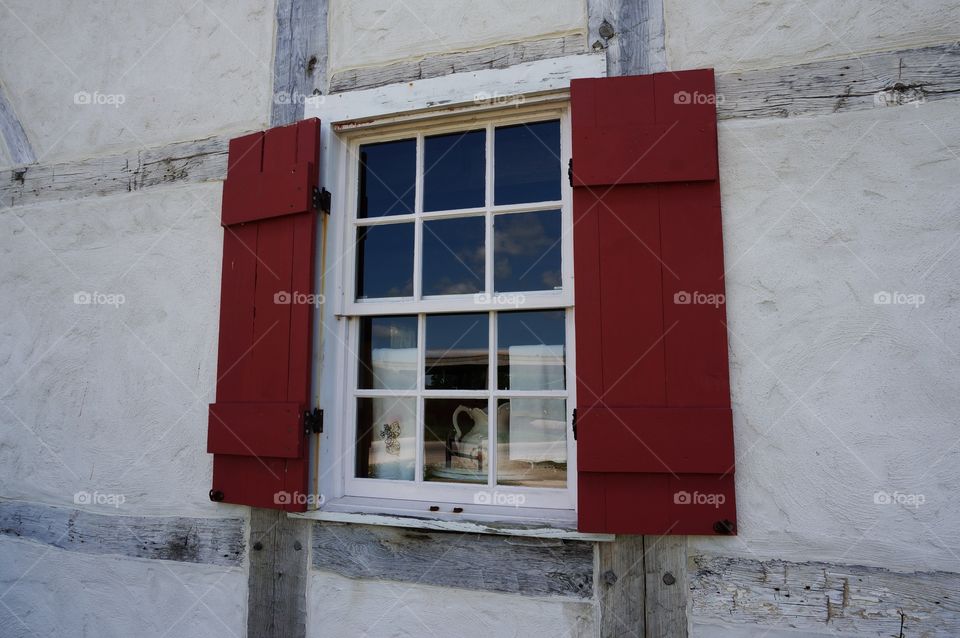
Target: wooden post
(642,581)
(277,583)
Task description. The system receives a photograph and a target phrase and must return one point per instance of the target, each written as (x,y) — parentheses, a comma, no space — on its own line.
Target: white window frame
(544,85)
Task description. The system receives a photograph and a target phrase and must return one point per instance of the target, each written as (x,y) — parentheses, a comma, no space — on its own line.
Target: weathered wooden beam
(876,80)
(215,541)
(497,57)
(621,588)
(277,582)
(18,145)
(300,59)
(816,599)
(180,162)
(631,32)
(528,566)
(665,567)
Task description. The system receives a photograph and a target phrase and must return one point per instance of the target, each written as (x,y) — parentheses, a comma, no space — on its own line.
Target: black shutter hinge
(570,172)
(321,200)
(574,424)
(313,421)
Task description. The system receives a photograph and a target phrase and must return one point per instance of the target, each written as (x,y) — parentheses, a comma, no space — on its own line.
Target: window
(459,302)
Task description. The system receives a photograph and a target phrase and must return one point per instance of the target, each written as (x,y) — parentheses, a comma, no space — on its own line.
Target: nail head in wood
(258,546)
(668,579)
(609,577)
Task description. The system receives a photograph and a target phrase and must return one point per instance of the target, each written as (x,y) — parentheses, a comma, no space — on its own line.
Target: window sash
(440,492)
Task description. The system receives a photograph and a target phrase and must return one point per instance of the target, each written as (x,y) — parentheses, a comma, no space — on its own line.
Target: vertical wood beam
(665,569)
(641,580)
(631,31)
(621,591)
(277,582)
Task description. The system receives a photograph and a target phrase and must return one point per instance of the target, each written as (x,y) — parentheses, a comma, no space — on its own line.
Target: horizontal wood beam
(528,566)
(822,599)
(497,57)
(878,80)
(181,162)
(214,541)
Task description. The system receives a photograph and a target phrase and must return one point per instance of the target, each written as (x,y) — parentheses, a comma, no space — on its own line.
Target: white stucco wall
(837,398)
(111,398)
(51,592)
(410,610)
(734,35)
(182,70)
(369,32)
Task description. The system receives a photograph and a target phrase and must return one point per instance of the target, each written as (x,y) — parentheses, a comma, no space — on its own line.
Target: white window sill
(475,519)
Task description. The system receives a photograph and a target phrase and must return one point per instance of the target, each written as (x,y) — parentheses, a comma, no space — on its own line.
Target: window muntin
(485,410)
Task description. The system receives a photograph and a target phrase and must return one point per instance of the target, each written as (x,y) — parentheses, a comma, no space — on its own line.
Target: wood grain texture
(631,32)
(215,541)
(876,80)
(665,568)
(497,57)
(181,162)
(528,566)
(18,145)
(300,58)
(823,599)
(621,588)
(277,584)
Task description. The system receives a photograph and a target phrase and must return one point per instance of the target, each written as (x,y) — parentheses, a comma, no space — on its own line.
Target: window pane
(532,442)
(457,356)
(456,440)
(527,251)
(388,353)
(387,178)
(527,163)
(454,169)
(386,438)
(530,350)
(453,256)
(385,261)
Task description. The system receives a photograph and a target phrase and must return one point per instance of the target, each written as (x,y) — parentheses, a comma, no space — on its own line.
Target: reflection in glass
(385,261)
(388,353)
(457,355)
(526,251)
(530,350)
(527,163)
(387,178)
(386,438)
(453,256)
(455,440)
(532,442)
(454,170)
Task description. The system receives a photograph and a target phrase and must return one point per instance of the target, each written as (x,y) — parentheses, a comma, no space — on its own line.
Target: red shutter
(655,437)
(256,427)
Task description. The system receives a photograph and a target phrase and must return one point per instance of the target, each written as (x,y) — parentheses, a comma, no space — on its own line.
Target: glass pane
(456,437)
(532,442)
(453,256)
(454,170)
(388,353)
(385,261)
(386,438)
(388,173)
(527,163)
(527,251)
(530,350)
(457,355)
